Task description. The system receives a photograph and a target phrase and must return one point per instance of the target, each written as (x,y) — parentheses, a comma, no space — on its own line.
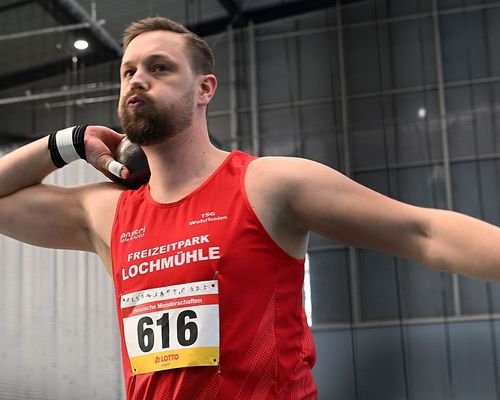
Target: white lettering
(173,260)
(214,253)
(204,239)
(141,270)
(191,256)
(201,257)
(133,235)
(167,262)
(124,275)
(180,258)
(132,271)
(155,264)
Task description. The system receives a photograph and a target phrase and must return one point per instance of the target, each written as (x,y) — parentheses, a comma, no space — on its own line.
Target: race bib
(172,327)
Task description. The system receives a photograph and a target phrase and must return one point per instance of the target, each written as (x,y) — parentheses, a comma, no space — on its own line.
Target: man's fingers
(115,168)
(106,163)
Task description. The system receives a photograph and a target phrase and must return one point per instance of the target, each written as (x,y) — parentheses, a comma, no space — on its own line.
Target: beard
(148,125)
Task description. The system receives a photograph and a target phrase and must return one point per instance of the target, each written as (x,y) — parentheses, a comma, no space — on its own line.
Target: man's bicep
(46,216)
(331,204)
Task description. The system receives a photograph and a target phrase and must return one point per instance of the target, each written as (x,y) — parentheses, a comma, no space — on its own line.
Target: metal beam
(231,7)
(261,15)
(42,71)
(254,95)
(63,92)
(44,31)
(14,5)
(70,12)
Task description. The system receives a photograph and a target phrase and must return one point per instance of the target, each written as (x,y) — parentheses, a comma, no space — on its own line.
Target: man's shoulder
(276,177)
(107,189)
(283,168)
(101,197)
(100,201)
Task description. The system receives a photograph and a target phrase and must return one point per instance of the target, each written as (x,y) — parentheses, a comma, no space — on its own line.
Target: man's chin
(145,138)
(136,131)
(137,138)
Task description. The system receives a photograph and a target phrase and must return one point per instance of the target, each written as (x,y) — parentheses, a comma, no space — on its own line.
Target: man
(207,259)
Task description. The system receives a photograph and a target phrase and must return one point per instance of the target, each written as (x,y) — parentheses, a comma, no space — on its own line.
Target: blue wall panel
(454,361)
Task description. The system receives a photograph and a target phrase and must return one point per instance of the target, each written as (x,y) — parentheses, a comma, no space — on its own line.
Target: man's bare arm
(53,216)
(322,200)
(25,166)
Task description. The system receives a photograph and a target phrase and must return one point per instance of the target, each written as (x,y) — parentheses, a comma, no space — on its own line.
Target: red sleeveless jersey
(209,306)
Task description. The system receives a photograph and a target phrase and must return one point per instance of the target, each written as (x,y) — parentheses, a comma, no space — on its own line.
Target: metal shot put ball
(132,156)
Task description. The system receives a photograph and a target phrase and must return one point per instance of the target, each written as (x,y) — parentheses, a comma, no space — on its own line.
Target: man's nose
(139,81)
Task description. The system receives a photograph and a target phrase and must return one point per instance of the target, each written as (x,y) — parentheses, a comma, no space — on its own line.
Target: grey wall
(454,361)
(388,328)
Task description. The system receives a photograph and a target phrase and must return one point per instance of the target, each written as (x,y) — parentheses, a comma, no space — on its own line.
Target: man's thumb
(116,168)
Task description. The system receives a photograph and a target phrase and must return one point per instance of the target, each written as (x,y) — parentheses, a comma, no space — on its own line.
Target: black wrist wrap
(54,152)
(78,140)
(78,135)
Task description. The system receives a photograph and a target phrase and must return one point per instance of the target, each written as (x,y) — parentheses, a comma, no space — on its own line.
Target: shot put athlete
(207,258)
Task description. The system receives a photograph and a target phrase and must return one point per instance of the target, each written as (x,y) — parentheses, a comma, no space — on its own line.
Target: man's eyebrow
(150,58)
(125,64)
(154,57)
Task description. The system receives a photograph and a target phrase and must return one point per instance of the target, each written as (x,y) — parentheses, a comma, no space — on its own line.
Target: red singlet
(199,282)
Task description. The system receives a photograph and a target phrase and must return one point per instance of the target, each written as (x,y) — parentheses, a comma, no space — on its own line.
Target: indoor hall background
(400,95)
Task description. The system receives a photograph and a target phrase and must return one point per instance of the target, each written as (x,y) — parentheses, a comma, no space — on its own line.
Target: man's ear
(208,85)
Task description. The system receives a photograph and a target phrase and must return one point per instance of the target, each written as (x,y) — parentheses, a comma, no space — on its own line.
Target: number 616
(187,331)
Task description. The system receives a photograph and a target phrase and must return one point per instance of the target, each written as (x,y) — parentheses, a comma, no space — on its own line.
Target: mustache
(144,97)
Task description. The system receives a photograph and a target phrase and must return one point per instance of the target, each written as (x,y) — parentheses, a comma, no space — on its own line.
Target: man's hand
(100,145)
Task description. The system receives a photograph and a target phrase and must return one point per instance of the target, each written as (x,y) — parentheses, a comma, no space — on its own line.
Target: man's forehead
(157,42)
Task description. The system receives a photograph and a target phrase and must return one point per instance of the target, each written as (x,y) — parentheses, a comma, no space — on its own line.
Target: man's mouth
(135,102)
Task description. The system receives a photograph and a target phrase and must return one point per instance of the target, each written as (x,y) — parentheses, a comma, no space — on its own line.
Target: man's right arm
(55,216)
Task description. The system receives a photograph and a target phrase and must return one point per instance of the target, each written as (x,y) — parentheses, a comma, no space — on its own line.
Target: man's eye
(160,68)
(128,73)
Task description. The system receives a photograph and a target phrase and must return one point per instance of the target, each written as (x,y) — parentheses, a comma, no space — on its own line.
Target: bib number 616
(187,330)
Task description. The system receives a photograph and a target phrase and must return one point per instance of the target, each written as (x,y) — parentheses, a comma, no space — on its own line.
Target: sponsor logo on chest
(206,217)
(133,235)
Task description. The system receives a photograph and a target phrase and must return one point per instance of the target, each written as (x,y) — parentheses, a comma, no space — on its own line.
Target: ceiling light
(422,112)
(81,44)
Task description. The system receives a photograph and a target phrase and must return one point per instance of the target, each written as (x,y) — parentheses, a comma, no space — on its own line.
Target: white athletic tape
(64,141)
(115,168)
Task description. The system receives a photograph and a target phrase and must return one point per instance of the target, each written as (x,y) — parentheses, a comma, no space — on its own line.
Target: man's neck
(181,163)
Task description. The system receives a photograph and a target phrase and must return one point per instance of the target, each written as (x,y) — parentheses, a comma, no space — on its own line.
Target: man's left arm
(323,200)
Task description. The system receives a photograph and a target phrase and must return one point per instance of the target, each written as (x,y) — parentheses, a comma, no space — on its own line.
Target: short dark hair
(201,55)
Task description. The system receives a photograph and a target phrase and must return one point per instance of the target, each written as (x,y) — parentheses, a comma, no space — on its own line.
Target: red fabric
(266,348)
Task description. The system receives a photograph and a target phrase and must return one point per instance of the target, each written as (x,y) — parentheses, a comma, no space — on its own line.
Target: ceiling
(37,36)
